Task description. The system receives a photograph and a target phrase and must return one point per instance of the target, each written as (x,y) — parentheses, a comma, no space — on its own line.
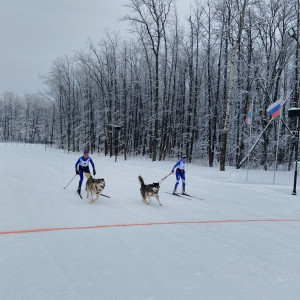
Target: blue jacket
(180,165)
(84,162)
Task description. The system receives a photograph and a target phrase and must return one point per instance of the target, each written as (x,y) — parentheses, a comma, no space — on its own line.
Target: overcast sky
(35,32)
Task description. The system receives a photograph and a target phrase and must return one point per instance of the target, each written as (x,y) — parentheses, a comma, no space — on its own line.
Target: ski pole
(165,177)
(70,182)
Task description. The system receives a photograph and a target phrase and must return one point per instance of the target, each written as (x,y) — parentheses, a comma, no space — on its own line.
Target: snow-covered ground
(207,256)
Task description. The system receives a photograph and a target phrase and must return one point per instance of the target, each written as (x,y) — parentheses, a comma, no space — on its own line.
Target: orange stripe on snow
(143,224)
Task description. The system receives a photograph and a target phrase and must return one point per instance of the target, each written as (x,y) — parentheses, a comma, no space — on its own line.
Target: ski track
(248,259)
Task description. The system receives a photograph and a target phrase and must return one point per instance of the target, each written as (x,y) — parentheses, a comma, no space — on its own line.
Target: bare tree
(241,6)
(150,17)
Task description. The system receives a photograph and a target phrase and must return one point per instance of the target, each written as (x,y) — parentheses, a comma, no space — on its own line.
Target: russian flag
(248,119)
(274,109)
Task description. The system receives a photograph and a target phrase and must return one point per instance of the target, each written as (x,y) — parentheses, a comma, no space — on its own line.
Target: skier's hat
(85,151)
(184,156)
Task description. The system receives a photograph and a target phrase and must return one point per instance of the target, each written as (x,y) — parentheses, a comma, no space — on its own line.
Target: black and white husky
(93,187)
(149,190)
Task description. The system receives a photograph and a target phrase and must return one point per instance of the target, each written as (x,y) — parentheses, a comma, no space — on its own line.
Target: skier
(83,163)
(180,173)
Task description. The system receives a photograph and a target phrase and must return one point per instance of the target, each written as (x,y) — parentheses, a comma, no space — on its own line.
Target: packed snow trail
(213,260)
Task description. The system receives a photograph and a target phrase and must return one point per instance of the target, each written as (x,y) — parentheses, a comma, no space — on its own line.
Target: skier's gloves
(77,172)
(94,172)
(172,171)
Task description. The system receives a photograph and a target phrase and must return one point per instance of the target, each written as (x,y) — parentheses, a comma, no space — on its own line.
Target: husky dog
(93,186)
(149,190)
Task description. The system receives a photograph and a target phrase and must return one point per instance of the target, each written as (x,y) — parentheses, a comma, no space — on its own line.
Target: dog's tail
(141,180)
(87,175)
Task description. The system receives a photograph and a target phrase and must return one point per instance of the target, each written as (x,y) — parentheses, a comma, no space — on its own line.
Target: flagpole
(249,155)
(272,110)
(276,155)
(278,136)
(256,142)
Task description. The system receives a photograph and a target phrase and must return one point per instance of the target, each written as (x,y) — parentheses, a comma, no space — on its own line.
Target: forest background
(173,88)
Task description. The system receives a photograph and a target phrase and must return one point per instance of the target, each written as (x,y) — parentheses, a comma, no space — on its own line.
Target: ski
(79,195)
(178,195)
(188,195)
(104,195)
